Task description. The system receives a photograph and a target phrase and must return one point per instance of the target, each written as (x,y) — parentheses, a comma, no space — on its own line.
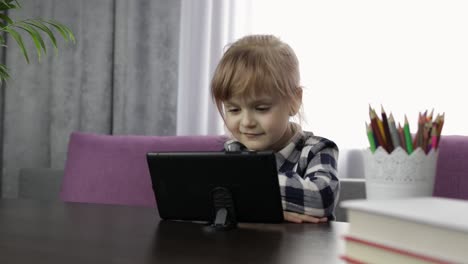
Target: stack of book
(411,230)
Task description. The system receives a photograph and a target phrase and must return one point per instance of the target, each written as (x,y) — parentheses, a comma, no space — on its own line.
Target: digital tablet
(195,185)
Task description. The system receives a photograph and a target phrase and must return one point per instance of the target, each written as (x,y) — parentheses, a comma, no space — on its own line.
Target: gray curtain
(119,78)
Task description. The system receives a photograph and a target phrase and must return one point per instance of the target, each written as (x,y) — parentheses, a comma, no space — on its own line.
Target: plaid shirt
(307,172)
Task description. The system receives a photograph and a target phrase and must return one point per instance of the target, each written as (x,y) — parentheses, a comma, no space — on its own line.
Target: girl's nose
(248,120)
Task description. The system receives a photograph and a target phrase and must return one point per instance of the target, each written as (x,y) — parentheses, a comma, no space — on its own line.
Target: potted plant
(33,28)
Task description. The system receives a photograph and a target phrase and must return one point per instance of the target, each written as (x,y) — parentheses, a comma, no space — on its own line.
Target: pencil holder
(399,175)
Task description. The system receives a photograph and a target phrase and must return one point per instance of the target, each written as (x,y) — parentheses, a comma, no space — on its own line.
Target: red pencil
(401,134)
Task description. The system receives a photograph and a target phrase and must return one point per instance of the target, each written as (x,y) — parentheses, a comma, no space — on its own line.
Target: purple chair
(110,169)
(452,168)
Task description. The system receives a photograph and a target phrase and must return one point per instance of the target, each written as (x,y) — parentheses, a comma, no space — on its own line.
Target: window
(407,55)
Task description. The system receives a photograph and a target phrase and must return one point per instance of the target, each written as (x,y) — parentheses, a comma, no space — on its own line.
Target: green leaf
(44,28)
(33,27)
(6,18)
(68,30)
(4,75)
(66,33)
(7,4)
(18,40)
(36,37)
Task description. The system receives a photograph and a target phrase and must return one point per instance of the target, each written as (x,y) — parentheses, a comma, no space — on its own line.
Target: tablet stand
(223,204)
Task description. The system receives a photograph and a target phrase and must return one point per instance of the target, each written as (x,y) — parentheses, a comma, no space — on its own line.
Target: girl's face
(260,123)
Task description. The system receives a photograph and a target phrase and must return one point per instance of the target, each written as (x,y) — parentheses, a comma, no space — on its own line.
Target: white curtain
(207,26)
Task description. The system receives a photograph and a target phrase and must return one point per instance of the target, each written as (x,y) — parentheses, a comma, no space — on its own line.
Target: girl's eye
(263,108)
(233,110)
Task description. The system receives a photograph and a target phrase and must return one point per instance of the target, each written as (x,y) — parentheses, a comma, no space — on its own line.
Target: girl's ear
(296,102)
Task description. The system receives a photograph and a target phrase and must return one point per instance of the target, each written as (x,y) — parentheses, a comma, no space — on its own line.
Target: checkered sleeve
(311,187)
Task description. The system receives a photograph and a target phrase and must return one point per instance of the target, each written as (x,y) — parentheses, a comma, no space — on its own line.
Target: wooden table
(45,232)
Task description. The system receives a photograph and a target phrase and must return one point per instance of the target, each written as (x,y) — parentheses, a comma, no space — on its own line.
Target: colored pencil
(393,131)
(409,143)
(381,127)
(420,132)
(441,124)
(434,136)
(387,131)
(401,135)
(376,131)
(429,117)
(370,137)
(426,135)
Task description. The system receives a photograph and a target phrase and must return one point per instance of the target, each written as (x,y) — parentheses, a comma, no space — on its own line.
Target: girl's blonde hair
(254,65)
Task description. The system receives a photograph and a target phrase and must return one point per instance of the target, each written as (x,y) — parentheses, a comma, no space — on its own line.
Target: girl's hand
(301,218)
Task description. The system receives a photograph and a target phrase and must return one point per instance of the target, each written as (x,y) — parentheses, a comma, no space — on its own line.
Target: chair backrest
(39,183)
(350,189)
(351,164)
(452,168)
(111,169)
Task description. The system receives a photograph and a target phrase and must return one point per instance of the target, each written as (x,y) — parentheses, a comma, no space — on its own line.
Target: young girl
(256,89)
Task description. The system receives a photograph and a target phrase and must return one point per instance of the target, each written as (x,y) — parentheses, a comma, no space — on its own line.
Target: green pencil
(409,141)
(370,136)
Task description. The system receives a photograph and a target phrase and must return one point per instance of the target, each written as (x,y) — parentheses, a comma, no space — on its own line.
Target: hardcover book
(428,227)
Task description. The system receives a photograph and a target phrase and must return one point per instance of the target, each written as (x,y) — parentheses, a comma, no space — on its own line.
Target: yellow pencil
(381,127)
